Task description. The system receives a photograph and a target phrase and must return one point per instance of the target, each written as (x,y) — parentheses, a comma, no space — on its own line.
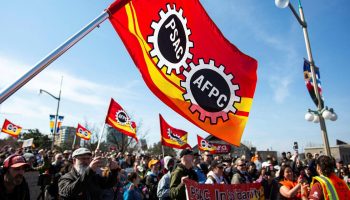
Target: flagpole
(51,57)
(101,133)
(75,137)
(163,150)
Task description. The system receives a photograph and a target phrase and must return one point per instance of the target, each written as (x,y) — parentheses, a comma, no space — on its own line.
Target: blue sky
(99,67)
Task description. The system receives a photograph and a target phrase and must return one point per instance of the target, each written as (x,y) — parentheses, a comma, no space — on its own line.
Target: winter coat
(87,186)
(163,190)
(177,189)
(132,193)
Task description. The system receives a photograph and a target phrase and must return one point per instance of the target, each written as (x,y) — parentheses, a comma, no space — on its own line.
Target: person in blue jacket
(131,189)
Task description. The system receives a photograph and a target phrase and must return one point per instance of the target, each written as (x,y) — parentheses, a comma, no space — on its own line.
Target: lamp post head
(327,114)
(281,3)
(309,117)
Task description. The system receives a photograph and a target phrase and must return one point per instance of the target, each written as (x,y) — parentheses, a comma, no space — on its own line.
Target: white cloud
(74,88)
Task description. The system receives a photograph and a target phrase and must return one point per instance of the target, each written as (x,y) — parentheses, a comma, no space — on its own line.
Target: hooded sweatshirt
(163,190)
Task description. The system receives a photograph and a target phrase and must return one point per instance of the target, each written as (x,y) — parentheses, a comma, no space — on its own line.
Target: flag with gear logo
(11,129)
(83,133)
(187,62)
(173,137)
(120,120)
(204,145)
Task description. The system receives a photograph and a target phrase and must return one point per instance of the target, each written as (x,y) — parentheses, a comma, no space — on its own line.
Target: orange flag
(83,133)
(173,137)
(120,120)
(204,145)
(187,62)
(11,129)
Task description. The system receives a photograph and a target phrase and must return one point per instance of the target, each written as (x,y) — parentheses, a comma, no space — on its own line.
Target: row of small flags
(116,118)
(120,120)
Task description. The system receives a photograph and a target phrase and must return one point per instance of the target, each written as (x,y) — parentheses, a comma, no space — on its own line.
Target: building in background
(66,136)
(341,151)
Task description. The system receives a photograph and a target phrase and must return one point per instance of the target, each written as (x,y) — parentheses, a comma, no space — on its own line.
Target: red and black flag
(187,62)
(11,129)
(173,137)
(120,120)
(83,133)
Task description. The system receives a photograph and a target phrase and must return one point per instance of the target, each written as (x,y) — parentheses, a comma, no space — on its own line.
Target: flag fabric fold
(173,137)
(83,133)
(120,120)
(187,63)
(11,129)
(310,84)
(204,145)
(52,123)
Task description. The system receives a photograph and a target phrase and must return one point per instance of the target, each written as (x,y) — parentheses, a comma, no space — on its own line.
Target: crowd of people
(90,175)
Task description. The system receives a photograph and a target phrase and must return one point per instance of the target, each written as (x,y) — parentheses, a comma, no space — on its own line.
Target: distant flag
(52,122)
(204,145)
(173,137)
(187,62)
(11,129)
(309,82)
(59,123)
(120,120)
(83,133)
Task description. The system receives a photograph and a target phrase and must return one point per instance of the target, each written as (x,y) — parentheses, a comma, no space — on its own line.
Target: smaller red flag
(204,145)
(173,137)
(120,120)
(11,129)
(83,133)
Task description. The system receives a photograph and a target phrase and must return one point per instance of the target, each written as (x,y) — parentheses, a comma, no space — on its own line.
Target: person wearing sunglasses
(240,174)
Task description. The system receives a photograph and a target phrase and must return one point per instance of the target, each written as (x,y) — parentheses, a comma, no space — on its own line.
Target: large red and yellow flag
(204,145)
(173,137)
(120,120)
(11,129)
(83,133)
(187,62)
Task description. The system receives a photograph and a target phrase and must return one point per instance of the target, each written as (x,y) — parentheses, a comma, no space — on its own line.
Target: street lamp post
(56,116)
(321,112)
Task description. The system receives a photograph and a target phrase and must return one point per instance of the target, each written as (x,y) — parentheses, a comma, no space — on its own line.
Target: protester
(215,176)
(132,190)
(152,178)
(269,183)
(326,185)
(13,185)
(82,182)
(182,172)
(163,189)
(207,157)
(289,188)
(240,174)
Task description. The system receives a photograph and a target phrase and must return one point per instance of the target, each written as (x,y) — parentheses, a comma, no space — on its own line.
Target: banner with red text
(196,191)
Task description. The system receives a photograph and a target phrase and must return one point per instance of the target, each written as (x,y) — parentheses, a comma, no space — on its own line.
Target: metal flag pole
(75,138)
(41,65)
(101,133)
(163,150)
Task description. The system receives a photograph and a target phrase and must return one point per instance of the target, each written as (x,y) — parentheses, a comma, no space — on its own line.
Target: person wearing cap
(163,189)
(152,178)
(215,176)
(13,185)
(183,171)
(84,181)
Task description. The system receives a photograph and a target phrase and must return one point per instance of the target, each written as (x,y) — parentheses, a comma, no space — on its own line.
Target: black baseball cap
(186,152)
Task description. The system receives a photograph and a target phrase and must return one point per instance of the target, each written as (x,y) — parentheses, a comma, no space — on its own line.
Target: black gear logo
(170,39)
(122,118)
(210,91)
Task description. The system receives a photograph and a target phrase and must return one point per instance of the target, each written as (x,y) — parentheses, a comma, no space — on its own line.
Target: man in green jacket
(183,171)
